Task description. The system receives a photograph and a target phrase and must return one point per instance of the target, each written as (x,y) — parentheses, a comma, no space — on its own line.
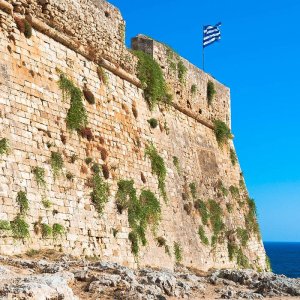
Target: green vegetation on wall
(177,252)
(57,230)
(5,225)
(181,69)
(233,157)
(4,146)
(102,75)
(153,123)
(217,224)
(158,168)
(100,192)
(23,202)
(193,89)
(142,211)
(39,175)
(250,218)
(193,189)
(210,92)
(222,132)
(152,79)
(201,207)
(57,163)
(19,227)
(76,116)
(202,235)
(176,164)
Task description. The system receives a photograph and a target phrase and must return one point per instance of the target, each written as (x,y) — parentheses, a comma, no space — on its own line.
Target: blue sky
(258,58)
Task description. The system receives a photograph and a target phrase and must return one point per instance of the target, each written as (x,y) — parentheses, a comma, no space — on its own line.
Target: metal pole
(203,58)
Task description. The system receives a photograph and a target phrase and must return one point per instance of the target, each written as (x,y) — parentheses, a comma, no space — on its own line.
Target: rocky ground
(50,276)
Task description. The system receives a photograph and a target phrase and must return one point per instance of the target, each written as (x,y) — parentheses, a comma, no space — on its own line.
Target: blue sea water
(284,257)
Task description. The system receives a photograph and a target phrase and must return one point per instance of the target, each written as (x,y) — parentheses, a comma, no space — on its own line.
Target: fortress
(87,168)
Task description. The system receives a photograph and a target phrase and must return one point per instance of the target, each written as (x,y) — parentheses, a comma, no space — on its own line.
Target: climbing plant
(100,192)
(4,146)
(142,211)
(202,208)
(158,168)
(152,79)
(222,132)
(217,224)
(23,202)
(77,115)
(19,227)
(203,236)
(57,163)
(39,174)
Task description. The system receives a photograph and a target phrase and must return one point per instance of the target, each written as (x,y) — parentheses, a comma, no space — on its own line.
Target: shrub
(177,252)
(57,163)
(4,146)
(215,219)
(222,132)
(89,96)
(152,79)
(233,157)
(125,195)
(210,92)
(158,168)
(100,192)
(193,89)
(250,218)
(153,123)
(202,236)
(193,189)
(76,116)
(201,207)
(176,164)
(223,189)
(20,228)
(5,225)
(242,259)
(102,75)
(23,202)
(46,230)
(39,174)
(57,230)
(142,211)
(95,168)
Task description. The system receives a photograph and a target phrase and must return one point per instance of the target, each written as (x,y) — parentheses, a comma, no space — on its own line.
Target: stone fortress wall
(75,37)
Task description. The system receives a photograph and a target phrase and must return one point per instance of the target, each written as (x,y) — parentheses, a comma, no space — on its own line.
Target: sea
(284,257)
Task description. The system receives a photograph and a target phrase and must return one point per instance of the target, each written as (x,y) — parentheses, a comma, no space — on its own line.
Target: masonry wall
(32,119)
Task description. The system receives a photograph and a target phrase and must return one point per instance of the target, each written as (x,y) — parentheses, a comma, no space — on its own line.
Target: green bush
(222,132)
(77,115)
(39,174)
(181,68)
(57,230)
(57,163)
(233,157)
(201,207)
(4,146)
(88,160)
(142,211)
(100,192)
(229,207)
(20,228)
(202,236)
(5,225)
(177,252)
(46,203)
(23,202)
(210,92)
(158,168)
(215,219)
(250,218)
(46,230)
(153,123)
(152,79)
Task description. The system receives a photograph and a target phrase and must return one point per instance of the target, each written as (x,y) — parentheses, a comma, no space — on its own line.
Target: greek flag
(211,34)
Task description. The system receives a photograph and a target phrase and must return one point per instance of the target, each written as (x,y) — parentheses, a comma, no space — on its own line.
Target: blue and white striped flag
(211,34)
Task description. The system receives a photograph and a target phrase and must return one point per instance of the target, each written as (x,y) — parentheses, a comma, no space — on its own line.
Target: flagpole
(203,49)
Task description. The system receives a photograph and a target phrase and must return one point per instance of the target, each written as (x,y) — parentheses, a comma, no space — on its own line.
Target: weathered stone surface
(33,120)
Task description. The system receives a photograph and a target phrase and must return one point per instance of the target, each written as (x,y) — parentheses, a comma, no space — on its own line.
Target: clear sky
(258,58)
